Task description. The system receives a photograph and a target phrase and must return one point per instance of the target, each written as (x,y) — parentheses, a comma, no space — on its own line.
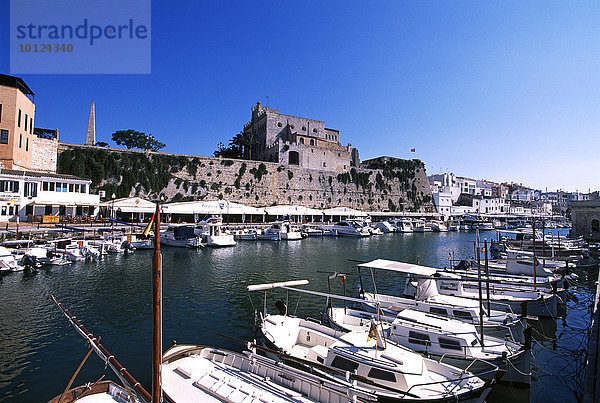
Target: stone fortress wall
(259,183)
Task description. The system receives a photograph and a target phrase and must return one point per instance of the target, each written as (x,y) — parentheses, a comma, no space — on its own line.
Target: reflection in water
(205,294)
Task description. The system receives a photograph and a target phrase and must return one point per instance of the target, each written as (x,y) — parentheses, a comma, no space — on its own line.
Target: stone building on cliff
(296,141)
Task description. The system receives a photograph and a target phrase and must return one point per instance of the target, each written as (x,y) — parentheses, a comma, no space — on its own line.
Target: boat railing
(461,378)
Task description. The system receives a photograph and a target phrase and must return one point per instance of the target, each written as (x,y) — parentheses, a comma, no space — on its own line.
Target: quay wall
(129,173)
(591,385)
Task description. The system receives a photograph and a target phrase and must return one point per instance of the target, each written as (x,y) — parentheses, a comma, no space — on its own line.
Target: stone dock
(591,388)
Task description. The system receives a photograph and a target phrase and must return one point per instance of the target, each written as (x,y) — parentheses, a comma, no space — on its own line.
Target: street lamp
(112,211)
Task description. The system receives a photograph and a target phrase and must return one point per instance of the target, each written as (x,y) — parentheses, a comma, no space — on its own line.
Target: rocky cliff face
(184,178)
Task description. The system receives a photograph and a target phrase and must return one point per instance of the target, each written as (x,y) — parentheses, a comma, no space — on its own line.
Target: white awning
(344,211)
(211,207)
(401,267)
(131,205)
(60,203)
(292,211)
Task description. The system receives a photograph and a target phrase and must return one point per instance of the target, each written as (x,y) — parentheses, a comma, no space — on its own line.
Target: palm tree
(247,140)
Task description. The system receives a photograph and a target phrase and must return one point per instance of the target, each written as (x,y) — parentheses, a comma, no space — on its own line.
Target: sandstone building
(17,112)
(296,141)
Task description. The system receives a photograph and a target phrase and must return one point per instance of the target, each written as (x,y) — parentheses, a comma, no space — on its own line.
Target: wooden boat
(201,374)
(457,343)
(388,370)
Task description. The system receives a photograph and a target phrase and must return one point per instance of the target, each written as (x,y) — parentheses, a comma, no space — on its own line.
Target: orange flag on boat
(149,226)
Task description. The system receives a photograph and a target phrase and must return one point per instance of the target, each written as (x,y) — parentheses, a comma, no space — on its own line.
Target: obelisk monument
(90,138)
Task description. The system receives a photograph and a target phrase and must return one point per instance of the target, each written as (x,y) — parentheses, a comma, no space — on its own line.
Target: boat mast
(156,311)
(487,274)
(478,247)
(534,257)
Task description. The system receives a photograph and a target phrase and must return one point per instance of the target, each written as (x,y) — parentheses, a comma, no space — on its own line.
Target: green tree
(134,139)
(247,140)
(240,146)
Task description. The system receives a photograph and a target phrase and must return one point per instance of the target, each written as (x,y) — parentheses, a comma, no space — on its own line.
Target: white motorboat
(350,228)
(180,235)
(455,342)
(288,231)
(453,226)
(438,226)
(403,225)
(422,226)
(8,262)
(212,234)
(385,227)
(46,257)
(269,234)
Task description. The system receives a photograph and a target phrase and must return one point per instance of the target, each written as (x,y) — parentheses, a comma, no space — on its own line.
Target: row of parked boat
(449,334)
(212,233)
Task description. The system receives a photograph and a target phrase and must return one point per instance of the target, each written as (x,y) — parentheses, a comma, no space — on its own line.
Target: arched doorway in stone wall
(595,226)
(294,158)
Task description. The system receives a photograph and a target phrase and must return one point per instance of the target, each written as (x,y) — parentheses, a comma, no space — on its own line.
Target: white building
(443,203)
(29,194)
(494,205)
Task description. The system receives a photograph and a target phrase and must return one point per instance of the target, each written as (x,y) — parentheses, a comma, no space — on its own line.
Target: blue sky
(506,91)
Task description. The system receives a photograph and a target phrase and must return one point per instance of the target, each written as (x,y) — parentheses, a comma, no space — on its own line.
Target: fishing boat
(101,391)
(248,234)
(368,359)
(428,281)
(200,374)
(311,230)
(212,234)
(455,342)
(386,369)
(497,322)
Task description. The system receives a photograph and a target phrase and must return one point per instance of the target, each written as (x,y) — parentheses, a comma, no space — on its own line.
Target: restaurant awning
(344,211)
(211,207)
(290,210)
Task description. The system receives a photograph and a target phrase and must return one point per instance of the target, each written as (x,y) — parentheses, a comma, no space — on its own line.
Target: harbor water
(204,296)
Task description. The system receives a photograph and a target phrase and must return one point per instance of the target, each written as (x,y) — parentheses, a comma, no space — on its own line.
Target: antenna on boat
(156,311)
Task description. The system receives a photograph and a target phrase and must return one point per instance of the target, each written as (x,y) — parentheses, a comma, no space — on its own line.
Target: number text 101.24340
(45,47)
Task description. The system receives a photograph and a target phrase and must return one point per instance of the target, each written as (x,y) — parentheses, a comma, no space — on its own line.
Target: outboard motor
(281,307)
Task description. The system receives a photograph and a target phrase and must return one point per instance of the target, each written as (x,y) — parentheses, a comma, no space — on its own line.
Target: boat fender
(281,307)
